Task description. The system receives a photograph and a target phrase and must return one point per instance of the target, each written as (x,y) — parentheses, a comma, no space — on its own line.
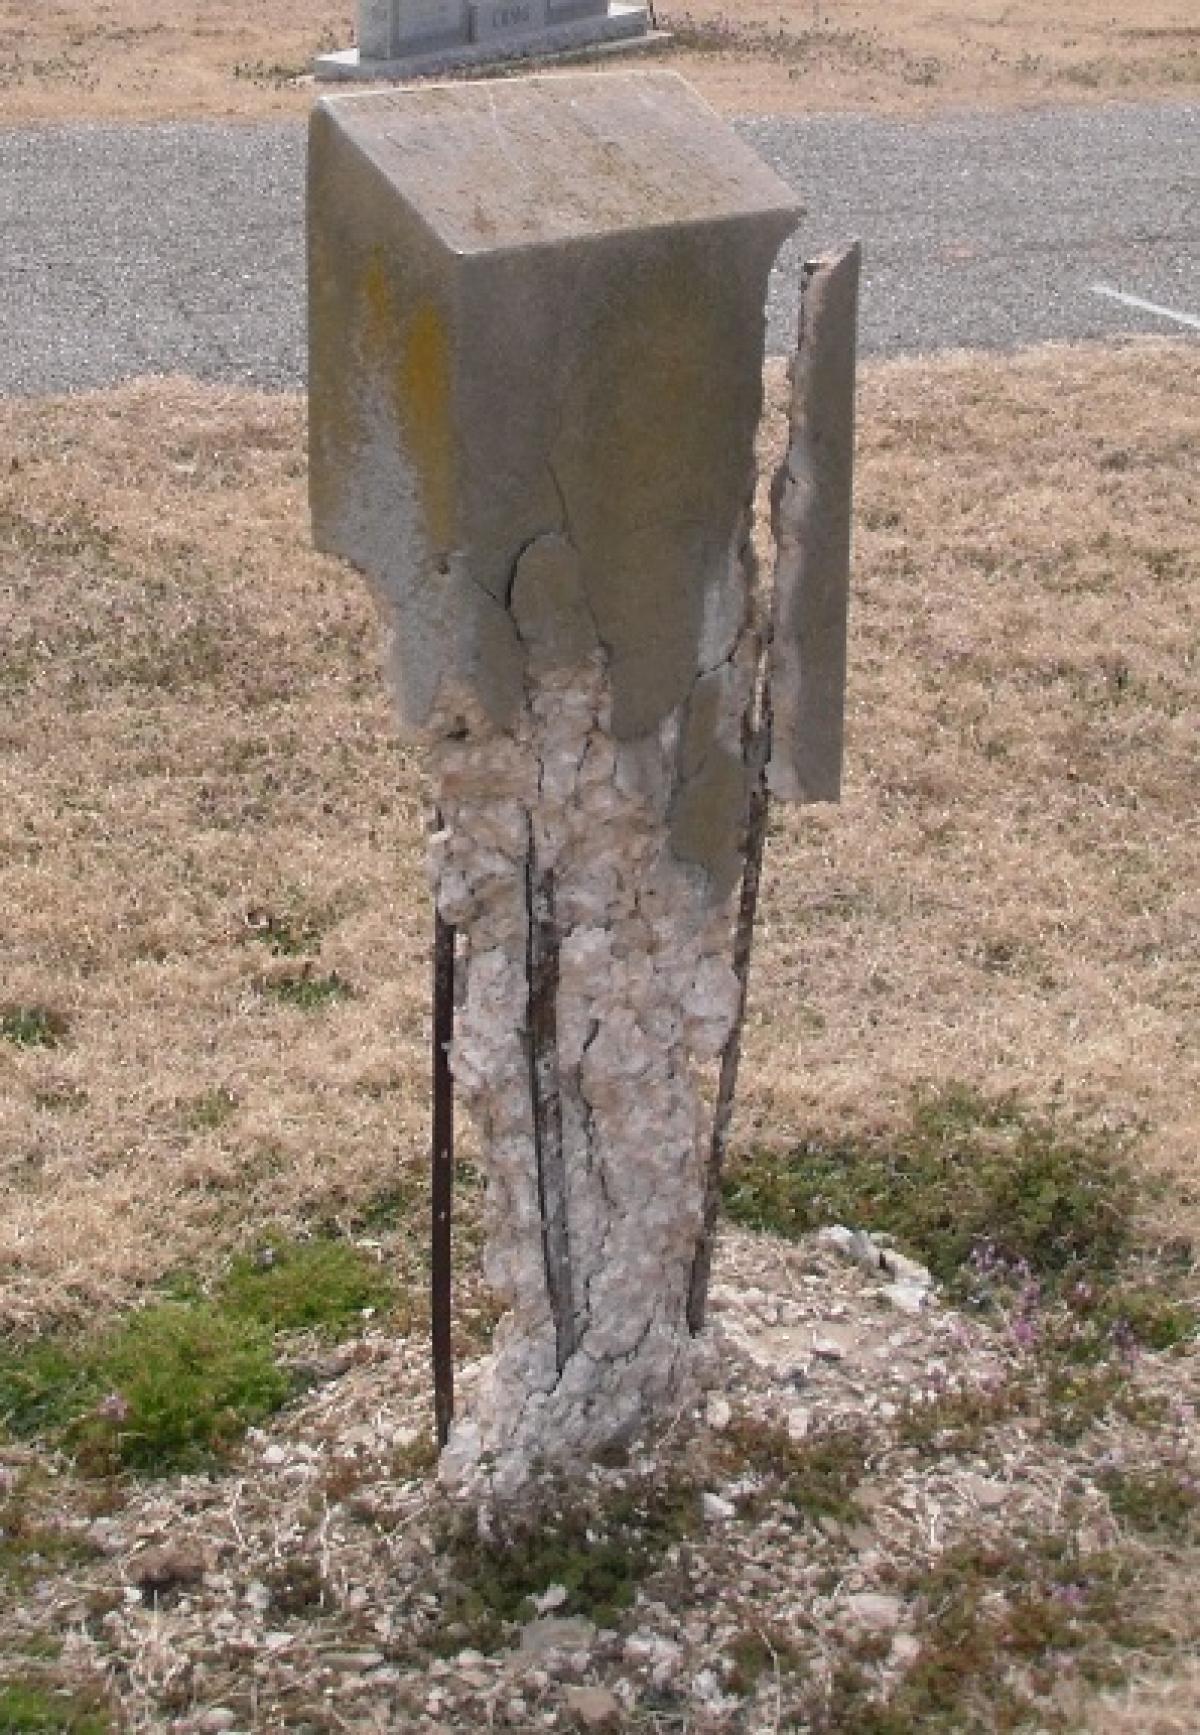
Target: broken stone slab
(870,1252)
(401,39)
(811,503)
(458,417)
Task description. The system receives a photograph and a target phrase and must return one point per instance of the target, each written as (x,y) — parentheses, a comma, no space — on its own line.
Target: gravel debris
(301,1589)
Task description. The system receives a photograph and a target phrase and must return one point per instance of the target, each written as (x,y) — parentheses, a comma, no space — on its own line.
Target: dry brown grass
(193,735)
(1151,1707)
(1009,892)
(144,59)
(916,56)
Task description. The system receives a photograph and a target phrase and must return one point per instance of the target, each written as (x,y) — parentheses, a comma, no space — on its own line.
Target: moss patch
(32,1026)
(175,1385)
(321,1285)
(28,1709)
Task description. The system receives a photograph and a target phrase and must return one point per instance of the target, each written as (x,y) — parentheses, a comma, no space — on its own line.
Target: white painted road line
(1146,306)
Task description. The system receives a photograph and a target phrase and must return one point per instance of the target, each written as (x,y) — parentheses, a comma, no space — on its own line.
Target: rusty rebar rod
(442,1179)
(542,965)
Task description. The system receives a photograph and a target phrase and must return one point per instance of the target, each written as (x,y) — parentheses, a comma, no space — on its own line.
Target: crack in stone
(542,976)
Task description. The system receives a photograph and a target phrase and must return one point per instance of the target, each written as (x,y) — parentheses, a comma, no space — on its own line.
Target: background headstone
(399,38)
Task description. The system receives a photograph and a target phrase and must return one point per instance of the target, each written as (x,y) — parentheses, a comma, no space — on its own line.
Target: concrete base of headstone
(626,25)
(536,349)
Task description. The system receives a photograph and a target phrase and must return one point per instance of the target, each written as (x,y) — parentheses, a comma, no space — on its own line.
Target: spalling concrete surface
(536,311)
(536,341)
(811,500)
(179,248)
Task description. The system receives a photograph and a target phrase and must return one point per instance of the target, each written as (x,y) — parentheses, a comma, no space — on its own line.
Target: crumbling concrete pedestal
(597,978)
(537,323)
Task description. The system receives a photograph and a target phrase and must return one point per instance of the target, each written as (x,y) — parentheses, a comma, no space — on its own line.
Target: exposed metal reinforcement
(542,968)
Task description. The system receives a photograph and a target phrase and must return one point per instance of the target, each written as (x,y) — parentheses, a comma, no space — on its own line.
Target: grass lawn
(147,59)
(213,1003)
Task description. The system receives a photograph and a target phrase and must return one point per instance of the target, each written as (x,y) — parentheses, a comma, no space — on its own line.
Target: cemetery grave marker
(398,39)
(536,351)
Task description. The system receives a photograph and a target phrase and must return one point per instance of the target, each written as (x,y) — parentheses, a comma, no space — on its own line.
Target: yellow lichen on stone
(425,407)
(414,346)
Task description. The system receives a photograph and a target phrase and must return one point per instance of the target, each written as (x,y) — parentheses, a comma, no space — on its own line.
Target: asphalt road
(178,248)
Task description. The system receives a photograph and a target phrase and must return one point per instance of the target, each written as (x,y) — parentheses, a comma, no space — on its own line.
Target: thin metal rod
(542,965)
(442,1178)
(545,1093)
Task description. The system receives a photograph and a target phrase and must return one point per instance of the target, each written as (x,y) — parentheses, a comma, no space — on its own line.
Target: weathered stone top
(501,166)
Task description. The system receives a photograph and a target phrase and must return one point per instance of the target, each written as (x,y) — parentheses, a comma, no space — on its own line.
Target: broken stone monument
(398,39)
(536,350)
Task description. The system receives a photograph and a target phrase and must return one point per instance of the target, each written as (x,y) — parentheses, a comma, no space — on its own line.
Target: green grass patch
(997,1622)
(755,1653)
(28,1709)
(817,1477)
(175,1385)
(305,991)
(30,1546)
(286,935)
(209,1111)
(32,1026)
(969,1177)
(1000,1204)
(168,1388)
(1161,1502)
(321,1285)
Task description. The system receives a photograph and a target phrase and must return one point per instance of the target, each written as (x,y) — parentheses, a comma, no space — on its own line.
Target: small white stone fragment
(865,1251)
(908,1270)
(906,1648)
(716,1509)
(553,1633)
(984,1492)
(554,1596)
(706,1687)
(216,1720)
(718,1414)
(799,1421)
(828,1349)
(911,1298)
(837,1236)
(876,1610)
(594,1708)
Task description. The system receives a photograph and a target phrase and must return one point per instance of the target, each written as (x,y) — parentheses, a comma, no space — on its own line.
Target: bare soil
(63,60)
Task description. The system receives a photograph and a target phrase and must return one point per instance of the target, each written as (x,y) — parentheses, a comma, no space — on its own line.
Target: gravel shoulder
(179,248)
